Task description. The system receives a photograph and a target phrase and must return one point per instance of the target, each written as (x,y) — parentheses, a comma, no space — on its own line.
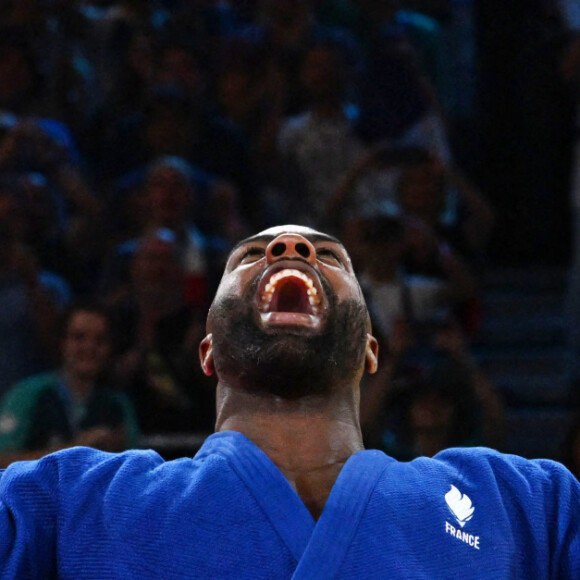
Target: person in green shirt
(72,405)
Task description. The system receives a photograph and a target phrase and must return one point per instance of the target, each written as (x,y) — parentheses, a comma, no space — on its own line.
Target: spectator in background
(419,316)
(169,200)
(428,255)
(71,406)
(112,28)
(38,216)
(58,214)
(417,183)
(370,20)
(44,68)
(369,186)
(29,303)
(133,68)
(391,293)
(436,249)
(289,27)
(162,126)
(398,104)
(424,189)
(426,301)
(320,143)
(31,211)
(172,124)
(157,338)
(183,63)
(410,410)
(250,95)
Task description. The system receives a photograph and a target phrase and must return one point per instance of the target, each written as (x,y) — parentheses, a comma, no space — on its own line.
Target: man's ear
(206,355)
(371,354)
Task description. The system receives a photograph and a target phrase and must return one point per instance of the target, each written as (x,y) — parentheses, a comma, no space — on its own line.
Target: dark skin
(311,437)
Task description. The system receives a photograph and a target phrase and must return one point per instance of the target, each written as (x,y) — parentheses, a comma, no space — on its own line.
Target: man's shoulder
(470,468)
(507,471)
(500,485)
(71,477)
(493,459)
(86,468)
(85,462)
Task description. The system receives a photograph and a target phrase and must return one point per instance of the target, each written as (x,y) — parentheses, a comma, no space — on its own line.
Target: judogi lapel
(318,547)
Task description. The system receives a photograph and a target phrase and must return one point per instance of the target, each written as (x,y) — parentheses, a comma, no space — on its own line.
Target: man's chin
(287,354)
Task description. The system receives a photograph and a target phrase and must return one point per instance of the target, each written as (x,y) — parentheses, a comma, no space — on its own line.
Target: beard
(289,362)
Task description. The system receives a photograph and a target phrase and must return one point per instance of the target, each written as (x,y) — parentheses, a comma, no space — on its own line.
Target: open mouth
(290,297)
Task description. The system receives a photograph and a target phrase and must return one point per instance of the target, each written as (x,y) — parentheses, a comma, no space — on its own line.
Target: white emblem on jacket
(460,505)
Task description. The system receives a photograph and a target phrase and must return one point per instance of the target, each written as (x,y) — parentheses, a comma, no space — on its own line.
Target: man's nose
(290,246)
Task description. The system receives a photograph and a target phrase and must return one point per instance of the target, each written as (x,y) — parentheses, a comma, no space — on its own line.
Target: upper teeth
(268,293)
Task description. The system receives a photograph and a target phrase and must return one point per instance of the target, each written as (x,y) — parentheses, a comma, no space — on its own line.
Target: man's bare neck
(309,443)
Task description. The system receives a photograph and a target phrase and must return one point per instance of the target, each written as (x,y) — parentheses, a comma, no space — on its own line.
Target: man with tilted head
(284,488)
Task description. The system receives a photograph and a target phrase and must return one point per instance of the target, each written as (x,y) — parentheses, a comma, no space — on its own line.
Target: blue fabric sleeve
(549,496)
(44,503)
(541,500)
(562,500)
(28,515)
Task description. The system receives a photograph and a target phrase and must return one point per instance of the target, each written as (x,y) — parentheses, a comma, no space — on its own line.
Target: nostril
(278,249)
(303,250)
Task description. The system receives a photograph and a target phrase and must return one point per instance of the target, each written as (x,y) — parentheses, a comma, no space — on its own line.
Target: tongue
(291,297)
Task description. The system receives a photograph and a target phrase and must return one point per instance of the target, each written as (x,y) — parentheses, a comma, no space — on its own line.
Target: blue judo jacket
(228,512)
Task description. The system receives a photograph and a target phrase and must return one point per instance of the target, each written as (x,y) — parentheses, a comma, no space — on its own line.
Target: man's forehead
(273,232)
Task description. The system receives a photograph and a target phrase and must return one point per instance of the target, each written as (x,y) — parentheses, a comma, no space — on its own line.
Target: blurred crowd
(139,140)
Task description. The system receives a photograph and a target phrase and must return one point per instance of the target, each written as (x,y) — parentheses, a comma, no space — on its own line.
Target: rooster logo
(460,505)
